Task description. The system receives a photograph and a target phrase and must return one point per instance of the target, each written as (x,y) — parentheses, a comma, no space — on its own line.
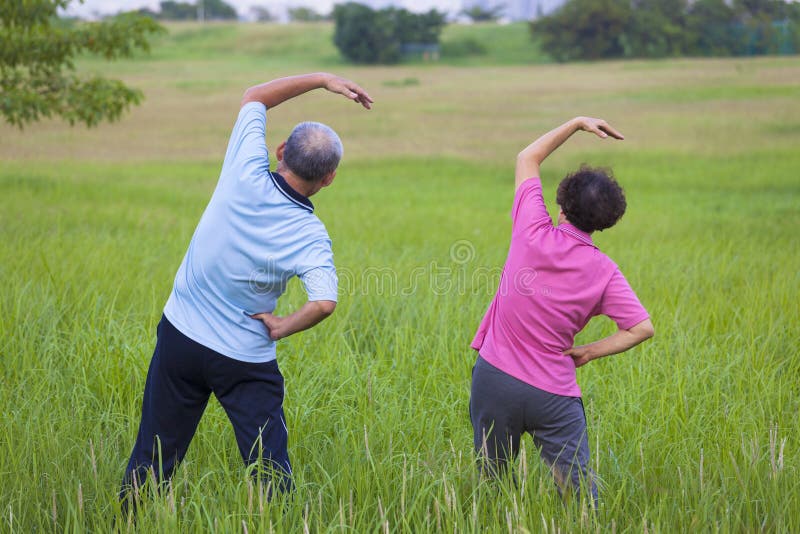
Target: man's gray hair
(312,151)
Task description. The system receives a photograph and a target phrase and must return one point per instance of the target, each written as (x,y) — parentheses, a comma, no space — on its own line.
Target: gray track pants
(503,408)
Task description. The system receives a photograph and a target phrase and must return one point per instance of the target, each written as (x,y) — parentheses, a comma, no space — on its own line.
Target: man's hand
(309,314)
(274,324)
(351,90)
(598,127)
(277,91)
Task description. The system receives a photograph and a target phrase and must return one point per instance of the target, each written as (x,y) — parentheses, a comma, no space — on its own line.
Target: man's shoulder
(308,228)
(316,229)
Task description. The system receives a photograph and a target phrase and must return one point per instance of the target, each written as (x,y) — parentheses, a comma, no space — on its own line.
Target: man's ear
(328,179)
(279,151)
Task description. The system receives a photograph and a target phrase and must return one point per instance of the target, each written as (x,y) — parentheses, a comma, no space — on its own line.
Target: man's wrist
(322,79)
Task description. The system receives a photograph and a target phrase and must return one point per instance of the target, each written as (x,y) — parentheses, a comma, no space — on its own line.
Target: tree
(217,10)
(769,9)
(364,35)
(594,29)
(584,29)
(262,14)
(37,51)
(767,26)
(478,13)
(201,9)
(710,23)
(304,14)
(656,28)
(422,28)
(171,10)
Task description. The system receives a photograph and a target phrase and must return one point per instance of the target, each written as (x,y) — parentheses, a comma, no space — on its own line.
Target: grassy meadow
(696,430)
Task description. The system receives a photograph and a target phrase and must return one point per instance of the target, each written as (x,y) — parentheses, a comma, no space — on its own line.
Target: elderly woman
(554,281)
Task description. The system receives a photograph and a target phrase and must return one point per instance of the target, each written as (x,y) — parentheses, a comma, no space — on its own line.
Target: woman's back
(553,282)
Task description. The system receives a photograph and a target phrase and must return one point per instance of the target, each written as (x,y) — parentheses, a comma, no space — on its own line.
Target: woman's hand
(580,355)
(599,127)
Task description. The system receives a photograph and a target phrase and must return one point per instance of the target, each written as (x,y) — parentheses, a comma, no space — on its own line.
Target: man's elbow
(326,307)
(249,96)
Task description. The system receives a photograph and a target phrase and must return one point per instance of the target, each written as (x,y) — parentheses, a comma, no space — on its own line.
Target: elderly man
(218,333)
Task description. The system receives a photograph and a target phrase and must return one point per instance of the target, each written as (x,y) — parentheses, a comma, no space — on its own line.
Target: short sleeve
(529,210)
(621,304)
(247,148)
(318,273)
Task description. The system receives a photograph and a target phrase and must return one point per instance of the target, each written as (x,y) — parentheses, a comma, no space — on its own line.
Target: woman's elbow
(527,155)
(647,330)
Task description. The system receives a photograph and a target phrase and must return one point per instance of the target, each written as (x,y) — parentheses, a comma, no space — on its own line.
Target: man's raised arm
(531,157)
(280,90)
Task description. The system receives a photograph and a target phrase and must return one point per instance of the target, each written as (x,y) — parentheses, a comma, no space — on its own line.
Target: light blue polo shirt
(255,235)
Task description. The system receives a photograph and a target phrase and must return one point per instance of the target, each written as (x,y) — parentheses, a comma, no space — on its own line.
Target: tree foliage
(217,10)
(171,10)
(594,29)
(479,13)
(585,29)
(262,14)
(365,35)
(37,52)
(304,14)
(202,9)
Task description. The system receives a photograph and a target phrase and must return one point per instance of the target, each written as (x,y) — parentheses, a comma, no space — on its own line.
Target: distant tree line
(595,29)
(202,9)
(480,13)
(366,35)
(305,14)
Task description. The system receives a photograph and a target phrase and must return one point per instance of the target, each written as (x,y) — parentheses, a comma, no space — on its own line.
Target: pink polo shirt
(554,280)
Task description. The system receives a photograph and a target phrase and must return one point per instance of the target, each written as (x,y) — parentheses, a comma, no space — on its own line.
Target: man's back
(255,234)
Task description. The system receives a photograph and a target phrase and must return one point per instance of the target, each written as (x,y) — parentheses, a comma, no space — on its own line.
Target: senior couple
(218,332)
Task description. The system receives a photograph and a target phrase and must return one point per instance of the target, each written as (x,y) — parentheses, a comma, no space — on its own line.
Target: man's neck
(304,187)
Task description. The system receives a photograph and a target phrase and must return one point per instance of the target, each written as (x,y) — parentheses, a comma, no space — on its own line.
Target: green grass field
(696,430)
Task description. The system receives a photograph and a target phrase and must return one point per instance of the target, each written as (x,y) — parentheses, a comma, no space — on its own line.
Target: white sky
(90,8)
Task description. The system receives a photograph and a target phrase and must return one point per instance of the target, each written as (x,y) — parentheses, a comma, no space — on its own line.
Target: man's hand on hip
(274,324)
(309,314)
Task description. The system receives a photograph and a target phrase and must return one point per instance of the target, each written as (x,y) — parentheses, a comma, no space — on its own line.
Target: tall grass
(695,430)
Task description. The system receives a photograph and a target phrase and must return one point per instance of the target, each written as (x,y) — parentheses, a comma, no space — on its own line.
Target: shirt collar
(578,234)
(289,192)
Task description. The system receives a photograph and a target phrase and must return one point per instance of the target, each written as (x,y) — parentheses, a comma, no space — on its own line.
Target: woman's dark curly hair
(591,199)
